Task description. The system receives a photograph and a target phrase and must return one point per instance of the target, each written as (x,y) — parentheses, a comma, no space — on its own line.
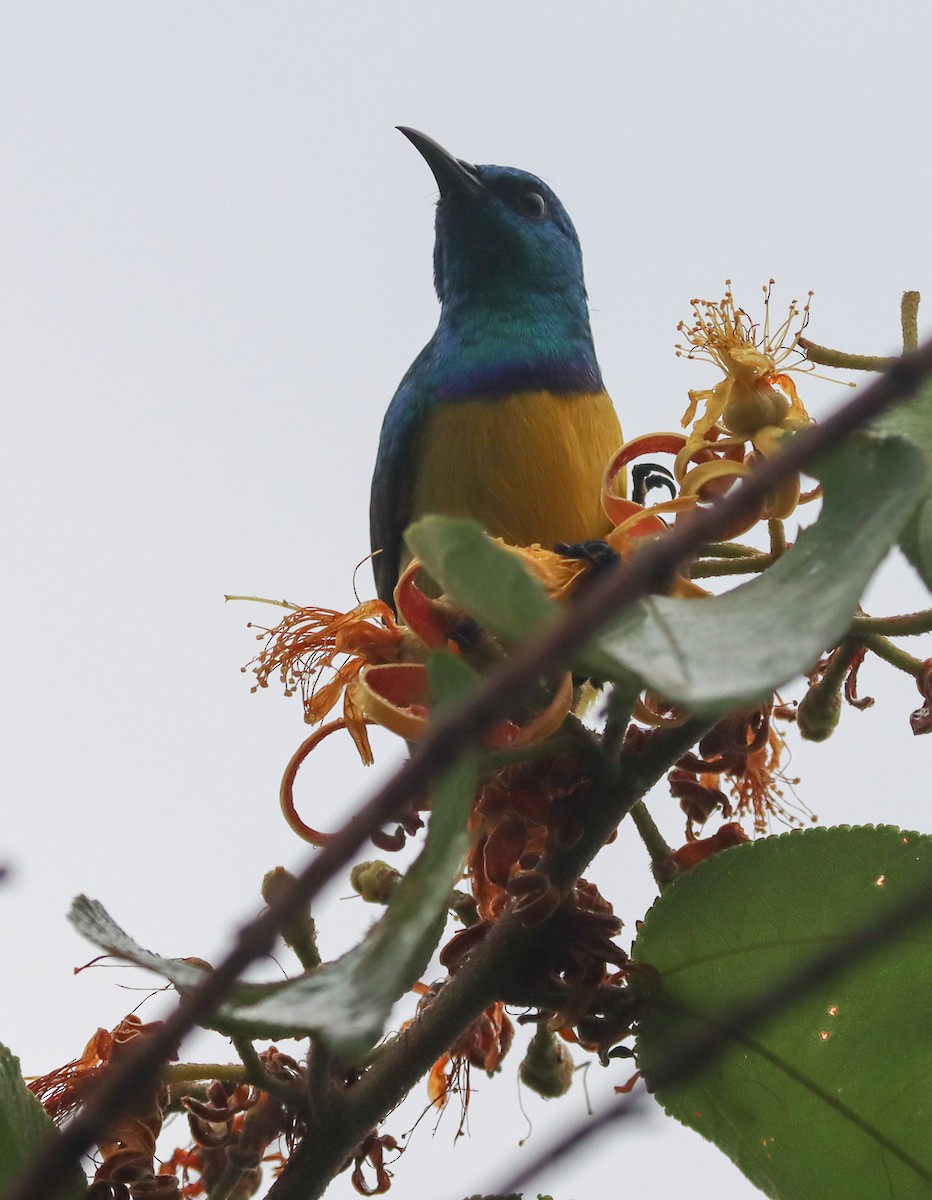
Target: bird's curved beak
(452,174)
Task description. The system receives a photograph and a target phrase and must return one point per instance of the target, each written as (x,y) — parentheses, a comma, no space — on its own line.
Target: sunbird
(503,416)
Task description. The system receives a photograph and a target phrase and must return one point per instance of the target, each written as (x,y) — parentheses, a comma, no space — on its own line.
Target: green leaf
(494,586)
(25,1127)
(830,1097)
(732,651)
(91,919)
(482,577)
(729,651)
(913,421)
(347,1002)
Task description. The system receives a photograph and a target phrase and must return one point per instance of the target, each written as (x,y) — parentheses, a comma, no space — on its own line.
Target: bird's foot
(597,553)
(647,476)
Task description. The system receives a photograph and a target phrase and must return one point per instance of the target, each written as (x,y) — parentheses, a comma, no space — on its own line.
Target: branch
(648,570)
(825,356)
(907,625)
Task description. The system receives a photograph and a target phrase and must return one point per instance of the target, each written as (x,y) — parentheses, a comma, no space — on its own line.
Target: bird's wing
(393,478)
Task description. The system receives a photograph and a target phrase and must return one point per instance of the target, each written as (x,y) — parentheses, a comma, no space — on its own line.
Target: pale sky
(216,266)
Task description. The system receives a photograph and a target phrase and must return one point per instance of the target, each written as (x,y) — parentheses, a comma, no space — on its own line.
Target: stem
(841,359)
(826,357)
(892,654)
(739,559)
(907,625)
(319,1080)
(620,706)
(191,1072)
(258,1076)
(839,665)
(745,565)
(651,836)
(229,1181)
(300,934)
(265,600)
(727,550)
(820,709)
(909,320)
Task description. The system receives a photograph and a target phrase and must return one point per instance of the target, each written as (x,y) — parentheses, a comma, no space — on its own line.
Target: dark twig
(647,571)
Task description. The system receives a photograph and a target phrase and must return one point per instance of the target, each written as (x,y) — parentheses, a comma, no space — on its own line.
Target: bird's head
(500,231)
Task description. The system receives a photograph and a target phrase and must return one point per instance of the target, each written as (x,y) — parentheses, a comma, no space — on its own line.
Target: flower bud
(751,408)
(820,709)
(301,932)
(375,881)
(547,1068)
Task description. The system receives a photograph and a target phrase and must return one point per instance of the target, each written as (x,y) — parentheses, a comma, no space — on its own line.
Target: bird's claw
(597,553)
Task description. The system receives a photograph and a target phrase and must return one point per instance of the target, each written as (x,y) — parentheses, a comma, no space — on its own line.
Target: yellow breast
(528,468)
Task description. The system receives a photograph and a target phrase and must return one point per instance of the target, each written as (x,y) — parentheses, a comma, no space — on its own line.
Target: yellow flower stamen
(756,391)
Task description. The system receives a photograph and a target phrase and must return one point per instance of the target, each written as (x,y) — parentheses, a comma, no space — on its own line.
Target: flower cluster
(232,1125)
(542,785)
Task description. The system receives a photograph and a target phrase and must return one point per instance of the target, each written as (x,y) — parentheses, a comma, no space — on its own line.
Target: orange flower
(483,1044)
(745,752)
(755,394)
(759,790)
(308,641)
(63,1090)
(755,403)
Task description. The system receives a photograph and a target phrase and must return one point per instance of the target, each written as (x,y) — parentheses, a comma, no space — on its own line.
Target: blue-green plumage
(510,374)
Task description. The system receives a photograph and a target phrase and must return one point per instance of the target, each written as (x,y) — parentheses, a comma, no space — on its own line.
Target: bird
(503,416)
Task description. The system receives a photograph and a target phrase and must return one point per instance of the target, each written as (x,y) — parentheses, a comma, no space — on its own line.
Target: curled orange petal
(797,410)
(652,710)
(813,494)
(686,589)
(356,727)
(438,1082)
(286,789)
(427,619)
(713,479)
(506,734)
(782,502)
(707,447)
(394,695)
(633,518)
(711,475)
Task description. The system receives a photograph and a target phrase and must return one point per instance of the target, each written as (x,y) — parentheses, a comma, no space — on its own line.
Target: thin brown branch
(647,571)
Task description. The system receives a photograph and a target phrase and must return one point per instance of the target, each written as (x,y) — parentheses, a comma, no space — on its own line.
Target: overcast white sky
(214,269)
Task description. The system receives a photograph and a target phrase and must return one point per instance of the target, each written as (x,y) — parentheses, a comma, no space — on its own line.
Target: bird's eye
(533,204)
